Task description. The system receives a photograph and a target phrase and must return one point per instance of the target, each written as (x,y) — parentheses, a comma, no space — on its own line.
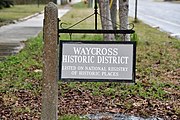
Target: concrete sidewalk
(13,35)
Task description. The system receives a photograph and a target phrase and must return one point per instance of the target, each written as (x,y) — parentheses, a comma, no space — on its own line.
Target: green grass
(80,5)
(17,12)
(70,117)
(157,68)
(19,71)
(153,47)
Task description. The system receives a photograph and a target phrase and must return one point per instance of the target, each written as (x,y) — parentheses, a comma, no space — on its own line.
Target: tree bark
(113,9)
(106,19)
(123,17)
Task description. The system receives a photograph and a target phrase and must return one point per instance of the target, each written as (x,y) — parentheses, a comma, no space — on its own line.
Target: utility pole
(38,3)
(135,19)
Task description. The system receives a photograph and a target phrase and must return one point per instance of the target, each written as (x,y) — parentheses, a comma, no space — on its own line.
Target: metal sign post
(124,50)
(135,19)
(96,30)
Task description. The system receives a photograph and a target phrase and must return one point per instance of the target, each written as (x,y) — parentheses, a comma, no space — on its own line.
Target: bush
(6,3)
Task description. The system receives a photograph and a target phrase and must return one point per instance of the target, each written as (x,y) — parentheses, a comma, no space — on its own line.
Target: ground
(155,93)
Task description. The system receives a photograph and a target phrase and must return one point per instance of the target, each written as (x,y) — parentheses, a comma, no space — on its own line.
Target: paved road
(165,15)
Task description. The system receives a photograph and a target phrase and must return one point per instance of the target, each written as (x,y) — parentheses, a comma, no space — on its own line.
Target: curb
(31,16)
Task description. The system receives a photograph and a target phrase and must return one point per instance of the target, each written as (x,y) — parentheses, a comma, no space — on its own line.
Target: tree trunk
(113,8)
(123,17)
(106,19)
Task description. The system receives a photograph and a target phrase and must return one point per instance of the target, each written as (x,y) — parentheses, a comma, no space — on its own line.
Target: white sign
(97,61)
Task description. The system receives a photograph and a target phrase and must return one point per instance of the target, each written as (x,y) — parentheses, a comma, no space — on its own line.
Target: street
(164,15)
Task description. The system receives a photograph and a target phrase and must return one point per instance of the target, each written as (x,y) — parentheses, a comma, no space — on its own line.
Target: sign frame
(133,43)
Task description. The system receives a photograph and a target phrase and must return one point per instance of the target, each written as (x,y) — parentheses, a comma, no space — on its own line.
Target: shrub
(6,3)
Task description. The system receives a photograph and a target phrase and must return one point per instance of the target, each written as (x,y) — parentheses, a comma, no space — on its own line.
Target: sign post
(50,64)
(135,18)
(80,60)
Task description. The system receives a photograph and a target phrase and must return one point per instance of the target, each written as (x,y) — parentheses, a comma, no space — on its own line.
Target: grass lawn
(156,92)
(7,15)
